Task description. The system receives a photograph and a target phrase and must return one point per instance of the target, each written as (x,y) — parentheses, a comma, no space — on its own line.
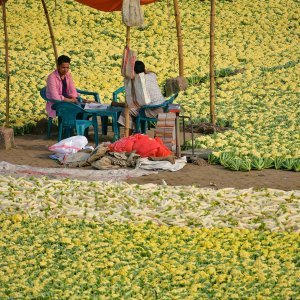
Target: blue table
(105,113)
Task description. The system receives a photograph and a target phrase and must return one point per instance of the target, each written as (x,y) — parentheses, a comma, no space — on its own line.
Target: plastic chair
(142,120)
(81,92)
(43,95)
(82,125)
(104,119)
(117,92)
(69,116)
(94,94)
(115,95)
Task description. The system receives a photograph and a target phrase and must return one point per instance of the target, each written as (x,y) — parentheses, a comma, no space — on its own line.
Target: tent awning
(108,5)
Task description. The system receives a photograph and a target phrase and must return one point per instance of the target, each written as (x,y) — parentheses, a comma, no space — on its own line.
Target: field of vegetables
(259,38)
(81,240)
(69,239)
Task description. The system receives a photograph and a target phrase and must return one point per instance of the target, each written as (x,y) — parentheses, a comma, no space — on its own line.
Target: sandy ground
(32,150)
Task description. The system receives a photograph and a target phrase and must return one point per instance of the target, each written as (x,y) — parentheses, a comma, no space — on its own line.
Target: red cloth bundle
(142,144)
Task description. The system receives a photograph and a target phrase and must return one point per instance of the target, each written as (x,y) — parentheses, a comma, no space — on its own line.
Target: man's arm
(117,104)
(71,100)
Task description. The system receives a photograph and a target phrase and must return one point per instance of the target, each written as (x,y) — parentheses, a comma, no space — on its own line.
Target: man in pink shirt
(60,85)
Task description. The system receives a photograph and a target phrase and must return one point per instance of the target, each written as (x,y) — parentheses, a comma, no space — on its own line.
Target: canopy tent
(105,5)
(109,5)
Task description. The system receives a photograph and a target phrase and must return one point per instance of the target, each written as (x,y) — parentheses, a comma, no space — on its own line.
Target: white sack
(70,145)
(146,164)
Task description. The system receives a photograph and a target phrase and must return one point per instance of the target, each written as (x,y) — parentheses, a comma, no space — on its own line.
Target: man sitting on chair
(151,93)
(60,85)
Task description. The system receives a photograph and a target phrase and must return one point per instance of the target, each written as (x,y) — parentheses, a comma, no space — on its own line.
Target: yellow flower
(17,218)
(66,240)
(211,270)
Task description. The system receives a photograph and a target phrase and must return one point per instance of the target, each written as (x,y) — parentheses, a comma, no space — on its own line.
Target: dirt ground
(32,150)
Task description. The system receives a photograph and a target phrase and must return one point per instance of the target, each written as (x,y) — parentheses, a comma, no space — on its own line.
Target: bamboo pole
(6,61)
(126,110)
(50,29)
(179,37)
(212,57)
(128,36)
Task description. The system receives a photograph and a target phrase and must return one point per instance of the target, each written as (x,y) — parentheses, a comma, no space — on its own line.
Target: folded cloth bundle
(115,160)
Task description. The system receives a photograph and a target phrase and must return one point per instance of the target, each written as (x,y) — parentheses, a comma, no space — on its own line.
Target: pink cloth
(54,90)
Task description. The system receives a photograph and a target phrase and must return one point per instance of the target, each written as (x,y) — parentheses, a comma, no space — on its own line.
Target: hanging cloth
(128,61)
(132,13)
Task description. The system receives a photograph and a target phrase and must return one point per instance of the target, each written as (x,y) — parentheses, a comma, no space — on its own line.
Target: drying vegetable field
(257,68)
(83,240)
(69,239)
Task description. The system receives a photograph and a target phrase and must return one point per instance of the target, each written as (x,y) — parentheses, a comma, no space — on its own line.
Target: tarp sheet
(102,175)
(109,5)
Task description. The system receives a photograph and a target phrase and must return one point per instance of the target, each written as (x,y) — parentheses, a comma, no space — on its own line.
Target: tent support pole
(126,110)
(179,36)
(50,29)
(6,62)
(212,57)
(128,36)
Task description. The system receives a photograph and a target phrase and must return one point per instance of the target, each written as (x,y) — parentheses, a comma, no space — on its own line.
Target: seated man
(153,94)
(60,85)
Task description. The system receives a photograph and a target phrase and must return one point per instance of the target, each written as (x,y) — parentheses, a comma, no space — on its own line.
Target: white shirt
(153,89)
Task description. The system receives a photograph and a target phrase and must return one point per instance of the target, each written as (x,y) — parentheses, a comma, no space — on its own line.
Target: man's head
(139,67)
(63,64)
